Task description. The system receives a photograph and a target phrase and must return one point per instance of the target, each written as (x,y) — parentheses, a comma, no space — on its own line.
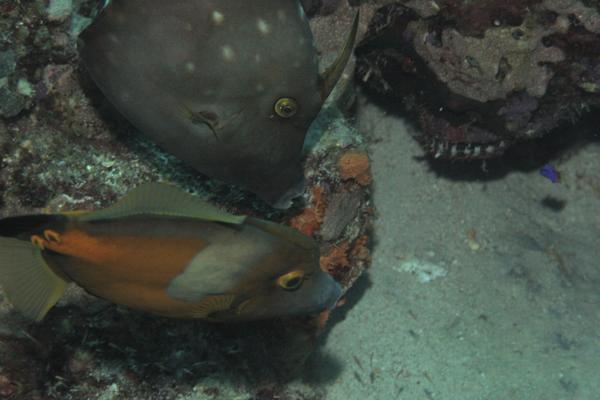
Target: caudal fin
(30,284)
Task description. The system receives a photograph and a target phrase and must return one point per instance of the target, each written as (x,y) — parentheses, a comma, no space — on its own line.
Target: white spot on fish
(296,64)
(281,16)
(189,67)
(113,38)
(217,17)
(263,27)
(260,88)
(257,58)
(228,53)
(301,41)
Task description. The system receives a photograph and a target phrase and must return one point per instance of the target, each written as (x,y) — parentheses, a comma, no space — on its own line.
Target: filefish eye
(291,281)
(286,107)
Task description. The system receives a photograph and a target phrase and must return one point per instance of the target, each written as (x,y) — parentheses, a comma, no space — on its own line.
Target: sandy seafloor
(480,288)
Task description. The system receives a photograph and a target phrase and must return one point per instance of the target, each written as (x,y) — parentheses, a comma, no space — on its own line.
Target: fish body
(174,256)
(228,86)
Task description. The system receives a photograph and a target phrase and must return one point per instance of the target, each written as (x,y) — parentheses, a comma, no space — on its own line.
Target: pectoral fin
(213,304)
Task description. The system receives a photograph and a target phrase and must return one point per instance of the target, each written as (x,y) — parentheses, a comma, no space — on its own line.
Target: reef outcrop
(480,77)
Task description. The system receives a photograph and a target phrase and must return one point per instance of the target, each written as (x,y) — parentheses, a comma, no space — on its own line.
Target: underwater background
(453,185)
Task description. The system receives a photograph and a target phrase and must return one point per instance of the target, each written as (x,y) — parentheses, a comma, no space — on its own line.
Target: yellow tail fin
(30,284)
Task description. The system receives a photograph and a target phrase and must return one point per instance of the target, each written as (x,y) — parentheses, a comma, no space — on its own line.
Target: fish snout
(329,295)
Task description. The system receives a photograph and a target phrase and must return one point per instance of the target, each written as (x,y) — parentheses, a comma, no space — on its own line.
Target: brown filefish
(228,86)
(164,251)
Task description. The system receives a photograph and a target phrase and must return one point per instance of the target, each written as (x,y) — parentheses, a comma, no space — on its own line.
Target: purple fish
(550,172)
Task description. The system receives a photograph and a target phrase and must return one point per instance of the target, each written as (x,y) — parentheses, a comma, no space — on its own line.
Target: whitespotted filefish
(164,251)
(228,86)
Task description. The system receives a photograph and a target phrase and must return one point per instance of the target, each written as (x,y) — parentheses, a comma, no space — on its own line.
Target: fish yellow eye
(291,281)
(286,107)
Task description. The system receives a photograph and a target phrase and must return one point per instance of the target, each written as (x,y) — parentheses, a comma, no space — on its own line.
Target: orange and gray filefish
(167,252)
(229,86)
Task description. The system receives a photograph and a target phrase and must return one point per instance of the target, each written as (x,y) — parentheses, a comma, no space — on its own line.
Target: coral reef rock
(479,77)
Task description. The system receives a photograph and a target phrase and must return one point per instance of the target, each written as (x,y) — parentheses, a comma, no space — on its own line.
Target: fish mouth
(330,294)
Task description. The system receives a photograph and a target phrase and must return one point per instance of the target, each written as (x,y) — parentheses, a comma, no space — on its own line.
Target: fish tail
(28,281)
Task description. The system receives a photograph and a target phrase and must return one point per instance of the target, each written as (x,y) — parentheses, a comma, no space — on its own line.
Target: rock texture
(480,77)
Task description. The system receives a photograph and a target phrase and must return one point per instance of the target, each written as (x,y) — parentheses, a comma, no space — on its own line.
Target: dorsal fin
(287,232)
(164,200)
(332,74)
